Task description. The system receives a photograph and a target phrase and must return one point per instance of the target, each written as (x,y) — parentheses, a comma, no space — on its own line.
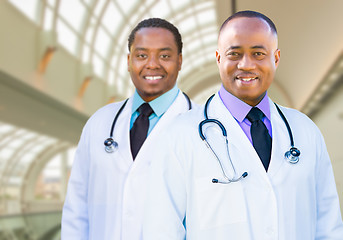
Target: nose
(152,62)
(246,63)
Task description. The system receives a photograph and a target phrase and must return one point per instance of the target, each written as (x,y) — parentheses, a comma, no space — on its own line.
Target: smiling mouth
(153,78)
(246,79)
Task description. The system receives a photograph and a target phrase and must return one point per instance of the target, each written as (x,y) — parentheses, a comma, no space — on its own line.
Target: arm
(329,220)
(166,200)
(75,224)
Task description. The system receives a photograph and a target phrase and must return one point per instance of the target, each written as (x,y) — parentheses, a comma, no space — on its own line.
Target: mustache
(246,74)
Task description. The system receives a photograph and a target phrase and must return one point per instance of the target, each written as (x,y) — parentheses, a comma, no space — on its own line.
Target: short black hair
(157,23)
(250,14)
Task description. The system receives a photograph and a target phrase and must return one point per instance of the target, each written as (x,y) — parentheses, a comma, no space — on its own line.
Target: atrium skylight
(96,31)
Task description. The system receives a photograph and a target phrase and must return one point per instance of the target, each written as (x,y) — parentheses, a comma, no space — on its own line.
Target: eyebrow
(258,46)
(233,47)
(253,47)
(160,49)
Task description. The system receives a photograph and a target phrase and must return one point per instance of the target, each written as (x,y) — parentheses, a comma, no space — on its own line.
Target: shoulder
(187,122)
(295,115)
(299,122)
(106,112)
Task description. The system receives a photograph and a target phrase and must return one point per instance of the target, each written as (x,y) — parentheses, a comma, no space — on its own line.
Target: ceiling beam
(24,106)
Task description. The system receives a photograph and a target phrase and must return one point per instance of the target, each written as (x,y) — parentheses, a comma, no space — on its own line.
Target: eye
(259,55)
(233,55)
(165,56)
(141,55)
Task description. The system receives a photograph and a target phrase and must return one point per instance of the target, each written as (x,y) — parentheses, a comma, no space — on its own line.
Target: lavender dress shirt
(240,109)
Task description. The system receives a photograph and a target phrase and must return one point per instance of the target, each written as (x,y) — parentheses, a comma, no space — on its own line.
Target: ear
(217,56)
(277,57)
(180,61)
(128,62)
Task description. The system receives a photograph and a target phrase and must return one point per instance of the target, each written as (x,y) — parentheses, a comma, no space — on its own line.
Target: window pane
(187,24)
(110,79)
(72,12)
(28,7)
(99,7)
(48,19)
(112,18)
(98,65)
(177,4)
(85,54)
(66,37)
(128,5)
(52,3)
(160,9)
(102,42)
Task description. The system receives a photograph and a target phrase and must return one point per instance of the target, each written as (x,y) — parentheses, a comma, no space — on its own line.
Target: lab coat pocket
(219,204)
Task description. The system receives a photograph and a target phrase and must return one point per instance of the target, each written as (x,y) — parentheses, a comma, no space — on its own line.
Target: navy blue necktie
(261,139)
(139,130)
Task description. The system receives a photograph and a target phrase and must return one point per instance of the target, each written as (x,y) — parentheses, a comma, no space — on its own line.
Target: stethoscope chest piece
(292,156)
(110,145)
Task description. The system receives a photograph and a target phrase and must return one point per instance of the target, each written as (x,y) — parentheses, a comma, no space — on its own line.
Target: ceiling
(95,33)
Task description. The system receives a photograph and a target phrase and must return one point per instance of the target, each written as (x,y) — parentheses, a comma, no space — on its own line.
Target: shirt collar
(240,109)
(160,104)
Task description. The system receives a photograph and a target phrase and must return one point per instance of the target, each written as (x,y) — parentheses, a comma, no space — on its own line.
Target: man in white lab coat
(107,187)
(250,190)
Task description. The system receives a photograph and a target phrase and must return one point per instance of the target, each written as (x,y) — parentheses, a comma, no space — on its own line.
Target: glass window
(177,4)
(66,37)
(160,9)
(112,18)
(102,42)
(85,54)
(99,6)
(73,12)
(28,7)
(48,19)
(98,65)
(127,7)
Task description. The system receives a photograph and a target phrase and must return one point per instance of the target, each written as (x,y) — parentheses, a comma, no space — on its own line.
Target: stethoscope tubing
(116,117)
(110,144)
(292,156)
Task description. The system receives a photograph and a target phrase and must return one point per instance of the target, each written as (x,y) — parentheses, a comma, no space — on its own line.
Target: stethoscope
(111,145)
(291,156)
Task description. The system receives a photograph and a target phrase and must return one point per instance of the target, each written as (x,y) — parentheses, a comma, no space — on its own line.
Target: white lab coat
(290,202)
(106,192)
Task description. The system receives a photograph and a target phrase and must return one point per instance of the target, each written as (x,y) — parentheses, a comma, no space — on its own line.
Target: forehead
(154,37)
(247,31)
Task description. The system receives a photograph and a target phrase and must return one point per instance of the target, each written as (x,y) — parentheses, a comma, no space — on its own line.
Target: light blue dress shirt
(160,105)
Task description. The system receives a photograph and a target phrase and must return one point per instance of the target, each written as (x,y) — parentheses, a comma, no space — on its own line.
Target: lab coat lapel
(122,129)
(178,106)
(241,150)
(280,143)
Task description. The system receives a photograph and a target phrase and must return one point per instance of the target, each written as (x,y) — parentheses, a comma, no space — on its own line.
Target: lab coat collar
(178,106)
(239,142)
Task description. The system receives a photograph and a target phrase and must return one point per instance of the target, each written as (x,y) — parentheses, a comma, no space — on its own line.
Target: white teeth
(153,77)
(246,79)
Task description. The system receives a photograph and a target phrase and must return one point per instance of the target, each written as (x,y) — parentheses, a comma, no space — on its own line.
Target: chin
(152,94)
